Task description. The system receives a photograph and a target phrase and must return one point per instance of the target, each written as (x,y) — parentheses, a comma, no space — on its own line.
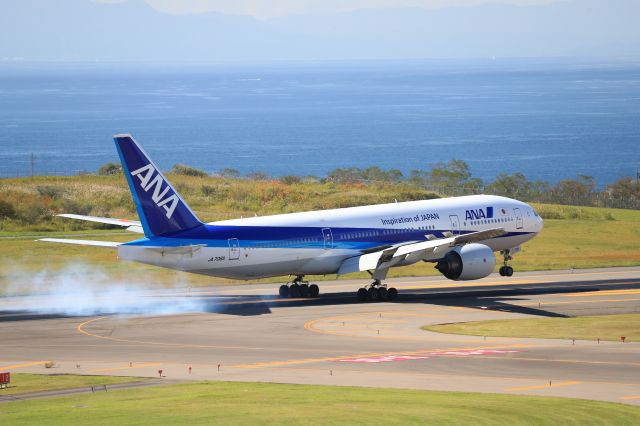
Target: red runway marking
(425,355)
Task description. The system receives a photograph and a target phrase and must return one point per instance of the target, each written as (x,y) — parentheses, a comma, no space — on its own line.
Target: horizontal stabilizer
(132,225)
(82,242)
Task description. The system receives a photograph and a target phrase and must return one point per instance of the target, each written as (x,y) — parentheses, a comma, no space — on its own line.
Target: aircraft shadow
(26,315)
(493,297)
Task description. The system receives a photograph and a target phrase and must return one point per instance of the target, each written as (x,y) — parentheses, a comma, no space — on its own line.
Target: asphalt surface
(248,334)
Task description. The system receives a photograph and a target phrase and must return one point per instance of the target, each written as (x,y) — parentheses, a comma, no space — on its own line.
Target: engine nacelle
(468,262)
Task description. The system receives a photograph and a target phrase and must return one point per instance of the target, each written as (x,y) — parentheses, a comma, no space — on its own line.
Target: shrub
(258,176)
(290,179)
(72,206)
(110,169)
(229,173)
(181,169)
(208,190)
(33,213)
(7,211)
(53,192)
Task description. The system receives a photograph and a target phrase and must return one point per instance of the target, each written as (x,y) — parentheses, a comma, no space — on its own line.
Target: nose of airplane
(538,222)
(535,221)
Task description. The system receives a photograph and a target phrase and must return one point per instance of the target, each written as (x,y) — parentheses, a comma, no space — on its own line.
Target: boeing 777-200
(459,235)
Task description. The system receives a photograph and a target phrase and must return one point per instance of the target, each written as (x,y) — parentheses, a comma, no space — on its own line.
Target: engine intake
(468,262)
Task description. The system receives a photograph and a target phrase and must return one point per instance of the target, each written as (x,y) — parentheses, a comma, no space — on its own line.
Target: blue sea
(549,119)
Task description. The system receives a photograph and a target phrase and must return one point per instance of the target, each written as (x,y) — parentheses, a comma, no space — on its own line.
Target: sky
(310,30)
(266,9)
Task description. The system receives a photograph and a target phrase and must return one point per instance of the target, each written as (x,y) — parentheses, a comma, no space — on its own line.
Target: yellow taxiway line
(29,364)
(550,385)
(80,329)
(603,293)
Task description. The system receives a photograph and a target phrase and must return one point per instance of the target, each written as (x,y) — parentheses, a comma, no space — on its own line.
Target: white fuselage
(318,242)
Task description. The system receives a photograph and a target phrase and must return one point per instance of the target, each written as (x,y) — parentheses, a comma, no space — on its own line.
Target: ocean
(549,119)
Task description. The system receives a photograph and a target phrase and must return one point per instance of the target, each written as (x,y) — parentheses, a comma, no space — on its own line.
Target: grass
(22,383)
(573,237)
(603,327)
(261,403)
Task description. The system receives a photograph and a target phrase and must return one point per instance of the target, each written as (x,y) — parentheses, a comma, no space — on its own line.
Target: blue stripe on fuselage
(294,237)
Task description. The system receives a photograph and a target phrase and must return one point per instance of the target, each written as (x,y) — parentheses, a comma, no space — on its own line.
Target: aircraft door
(234,249)
(455,224)
(327,236)
(518,213)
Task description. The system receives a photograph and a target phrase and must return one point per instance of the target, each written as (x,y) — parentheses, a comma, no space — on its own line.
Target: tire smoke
(81,290)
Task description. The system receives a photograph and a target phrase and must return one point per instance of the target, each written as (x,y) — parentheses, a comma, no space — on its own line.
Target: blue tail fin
(161,210)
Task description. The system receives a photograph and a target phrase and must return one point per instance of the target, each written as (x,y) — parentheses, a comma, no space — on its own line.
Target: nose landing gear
(376,292)
(506,270)
(299,288)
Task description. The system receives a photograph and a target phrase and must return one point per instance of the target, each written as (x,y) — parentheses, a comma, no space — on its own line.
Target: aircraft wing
(384,259)
(82,242)
(132,225)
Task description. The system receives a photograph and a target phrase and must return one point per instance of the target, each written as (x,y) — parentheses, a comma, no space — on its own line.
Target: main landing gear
(506,270)
(299,288)
(376,292)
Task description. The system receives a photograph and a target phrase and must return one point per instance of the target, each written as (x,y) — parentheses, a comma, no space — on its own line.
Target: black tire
(314,290)
(382,293)
(362,295)
(508,271)
(295,291)
(373,294)
(304,290)
(392,293)
(284,291)
(501,271)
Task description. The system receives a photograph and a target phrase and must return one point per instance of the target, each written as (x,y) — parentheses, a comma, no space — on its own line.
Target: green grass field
(573,237)
(22,383)
(603,327)
(261,403)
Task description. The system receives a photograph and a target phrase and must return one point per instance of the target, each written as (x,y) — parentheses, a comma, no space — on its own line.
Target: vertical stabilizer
(161,210)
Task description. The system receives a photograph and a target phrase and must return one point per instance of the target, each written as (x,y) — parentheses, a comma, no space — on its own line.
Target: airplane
(459,235)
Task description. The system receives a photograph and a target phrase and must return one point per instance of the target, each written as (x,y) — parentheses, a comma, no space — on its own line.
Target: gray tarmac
(245,333)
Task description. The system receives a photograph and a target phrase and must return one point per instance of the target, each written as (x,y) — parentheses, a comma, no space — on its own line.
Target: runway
(245,333)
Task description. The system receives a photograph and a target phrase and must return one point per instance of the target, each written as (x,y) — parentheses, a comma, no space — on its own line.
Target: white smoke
(81,290)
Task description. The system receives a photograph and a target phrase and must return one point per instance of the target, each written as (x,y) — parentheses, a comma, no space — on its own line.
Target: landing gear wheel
(392,293)
(506,270)
(373,294)
(383,293)
(314,290)
(284,291)
(362,294)
(295,290)
(304,290)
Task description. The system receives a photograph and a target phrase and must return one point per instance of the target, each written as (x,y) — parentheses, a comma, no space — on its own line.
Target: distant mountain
(80,30)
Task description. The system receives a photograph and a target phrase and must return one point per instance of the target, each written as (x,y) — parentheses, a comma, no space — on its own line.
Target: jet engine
(468,262)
